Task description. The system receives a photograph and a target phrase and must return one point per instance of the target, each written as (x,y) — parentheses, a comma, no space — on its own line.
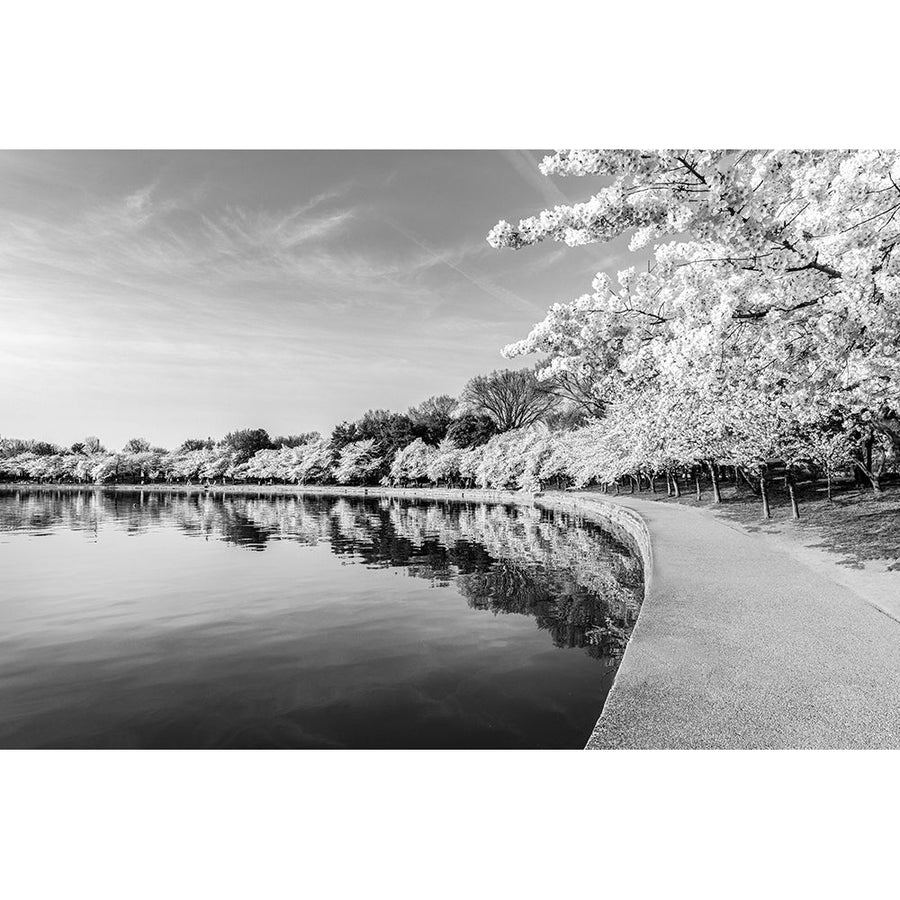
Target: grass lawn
(854,525)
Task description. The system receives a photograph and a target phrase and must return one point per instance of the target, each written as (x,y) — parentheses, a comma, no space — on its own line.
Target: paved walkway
(741,645)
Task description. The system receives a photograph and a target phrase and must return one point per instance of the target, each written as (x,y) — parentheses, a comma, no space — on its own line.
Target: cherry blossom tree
(358,461)
(773,275)
(444,464)
(410,463)
(830,447)
(314,462)
(469,463)
(217,464)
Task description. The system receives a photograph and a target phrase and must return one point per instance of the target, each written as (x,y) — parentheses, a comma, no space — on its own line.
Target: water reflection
(578,581)
(580,584)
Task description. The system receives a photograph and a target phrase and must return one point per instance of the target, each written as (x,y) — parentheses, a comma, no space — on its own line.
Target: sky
(175,294)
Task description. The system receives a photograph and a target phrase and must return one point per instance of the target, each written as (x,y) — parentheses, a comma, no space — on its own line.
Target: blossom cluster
(772,296)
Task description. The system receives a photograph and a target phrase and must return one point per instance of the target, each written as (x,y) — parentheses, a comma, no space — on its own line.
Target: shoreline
(475,494)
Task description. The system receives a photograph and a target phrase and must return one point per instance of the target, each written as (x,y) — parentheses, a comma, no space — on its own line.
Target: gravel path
(740,644)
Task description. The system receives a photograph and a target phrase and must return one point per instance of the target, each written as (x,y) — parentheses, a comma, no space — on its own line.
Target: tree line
(380,447)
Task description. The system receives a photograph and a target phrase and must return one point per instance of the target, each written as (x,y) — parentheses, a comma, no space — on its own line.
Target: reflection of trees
(559,605)
(38,511)
(579,582)
(248,522)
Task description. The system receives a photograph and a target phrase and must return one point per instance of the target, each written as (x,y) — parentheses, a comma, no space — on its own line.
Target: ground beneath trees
(855,526)
(854,538)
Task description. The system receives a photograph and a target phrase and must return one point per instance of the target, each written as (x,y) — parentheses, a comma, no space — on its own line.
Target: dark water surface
(170,620)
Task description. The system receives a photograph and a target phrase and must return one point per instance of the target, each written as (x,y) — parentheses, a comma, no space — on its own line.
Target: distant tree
(567,416)
(443,464)
(314,462)
(296,440)
(92,445)
(410,463)
(77,447)
(197,444)
(359,463)
(389,430)
(216,463)
(14,446)
(431,418)
(472,429)
(44,448)
(106,469)
(265,465)
(343,434)
(579,389)
(246,442)
(136,445)
(513,399)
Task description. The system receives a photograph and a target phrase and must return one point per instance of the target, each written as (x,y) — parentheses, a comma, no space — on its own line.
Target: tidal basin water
(166,620)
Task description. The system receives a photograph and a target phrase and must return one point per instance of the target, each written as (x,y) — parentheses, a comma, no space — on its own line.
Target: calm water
(167,620)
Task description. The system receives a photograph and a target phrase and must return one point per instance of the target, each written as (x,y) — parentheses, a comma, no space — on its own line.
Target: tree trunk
(631,484)
(652,481)
(764,493)
(717,494)
(828,484)
(677,490)
(795,509)
(617,487)
(874,479)
(747,481)
(697,483)
(860,478)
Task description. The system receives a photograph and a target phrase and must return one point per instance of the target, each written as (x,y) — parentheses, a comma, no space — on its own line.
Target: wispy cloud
(143,282)
(142,238)
(482,282)
(526,165)
(147,242)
